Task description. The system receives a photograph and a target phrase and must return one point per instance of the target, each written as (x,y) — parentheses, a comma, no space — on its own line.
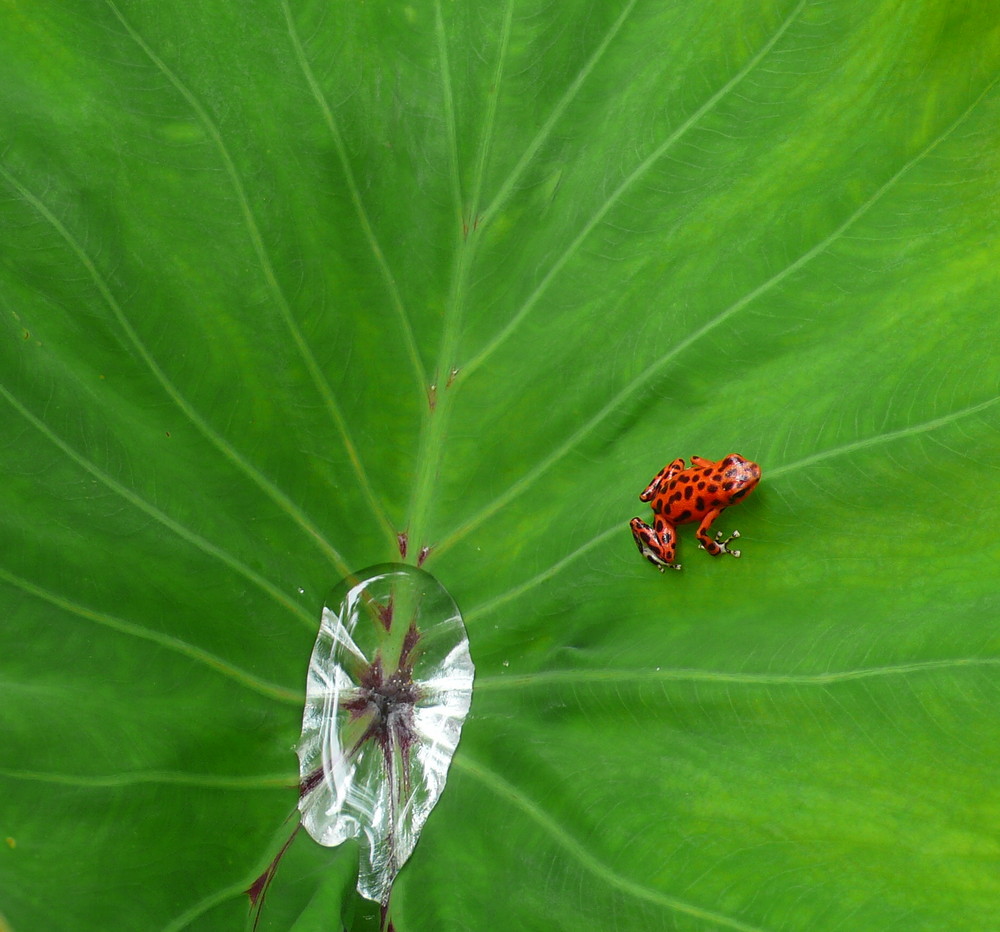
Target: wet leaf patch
(389,686)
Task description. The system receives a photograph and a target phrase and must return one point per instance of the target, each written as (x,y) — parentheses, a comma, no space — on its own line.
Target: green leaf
(282,281)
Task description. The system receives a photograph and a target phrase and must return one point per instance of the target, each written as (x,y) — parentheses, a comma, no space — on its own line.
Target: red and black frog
(682,494)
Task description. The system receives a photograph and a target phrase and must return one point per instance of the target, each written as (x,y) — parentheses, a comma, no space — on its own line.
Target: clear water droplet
(389,687)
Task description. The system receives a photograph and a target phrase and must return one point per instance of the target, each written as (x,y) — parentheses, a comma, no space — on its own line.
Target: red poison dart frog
(699,492)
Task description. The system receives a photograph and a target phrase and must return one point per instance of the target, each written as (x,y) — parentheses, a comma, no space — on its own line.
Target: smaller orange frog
(700,492)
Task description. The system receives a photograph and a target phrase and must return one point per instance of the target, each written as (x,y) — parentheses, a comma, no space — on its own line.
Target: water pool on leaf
(388,689)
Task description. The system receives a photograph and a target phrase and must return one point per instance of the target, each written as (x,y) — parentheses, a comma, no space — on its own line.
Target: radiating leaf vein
(139,502)
(216,439)
(359,207)
(169,777)
(244,678)
(280,301)
(581,853)
(618,678)
(512,179)
(633,177)
(911,431)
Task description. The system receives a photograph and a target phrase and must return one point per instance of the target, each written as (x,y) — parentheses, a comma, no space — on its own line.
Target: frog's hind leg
(658,546)
(717,545)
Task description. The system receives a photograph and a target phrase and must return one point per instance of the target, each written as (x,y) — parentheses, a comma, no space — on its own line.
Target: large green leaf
(241,243)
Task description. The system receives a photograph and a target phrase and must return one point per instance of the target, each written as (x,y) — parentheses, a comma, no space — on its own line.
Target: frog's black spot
(726,486)
(699,503)
(716,502)
(676,497)
(688,492)
(658,506)
(740,493)
(701,485)
(683,516)
(713,488)
(683,478)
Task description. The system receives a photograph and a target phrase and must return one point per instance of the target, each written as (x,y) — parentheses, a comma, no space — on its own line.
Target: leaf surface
(281,282)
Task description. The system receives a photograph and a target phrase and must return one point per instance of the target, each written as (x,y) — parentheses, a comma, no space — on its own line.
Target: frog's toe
(718,545)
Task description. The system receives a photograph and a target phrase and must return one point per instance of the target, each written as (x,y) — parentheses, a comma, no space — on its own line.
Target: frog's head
(744,474)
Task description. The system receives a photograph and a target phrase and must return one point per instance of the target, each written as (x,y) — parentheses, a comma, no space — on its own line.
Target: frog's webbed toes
(718,546)
(722,543)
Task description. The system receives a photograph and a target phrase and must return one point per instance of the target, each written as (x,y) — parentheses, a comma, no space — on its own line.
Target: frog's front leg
(664,475)
(716,545)
(658,546)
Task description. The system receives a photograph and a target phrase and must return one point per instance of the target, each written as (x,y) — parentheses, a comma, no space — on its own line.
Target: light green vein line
(507,187)
(654,368)
(489,122)
(637,173)
(913,430)
(232,892)
(219,442)
(582,855)
(356,200)
(116,780)
(281,302)
(271,690)
(444,66)
(493,604)
(138,502)
(618,526)
(622,678)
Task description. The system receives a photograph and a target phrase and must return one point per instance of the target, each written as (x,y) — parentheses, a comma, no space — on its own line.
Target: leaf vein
(618,678)
(508,185)
(135,778)
(355,193)
(139,502)
(177,645)
(280,300)
(588,861)
(635,175)
(216,439)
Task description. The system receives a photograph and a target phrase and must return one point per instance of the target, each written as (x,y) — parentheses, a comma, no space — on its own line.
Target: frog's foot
(664,566)
(718,546)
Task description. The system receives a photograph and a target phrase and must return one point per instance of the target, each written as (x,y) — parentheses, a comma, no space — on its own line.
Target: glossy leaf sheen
(378,735)
(283,281)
